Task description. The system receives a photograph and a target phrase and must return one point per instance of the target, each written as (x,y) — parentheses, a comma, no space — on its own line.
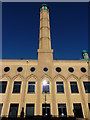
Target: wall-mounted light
(44,83)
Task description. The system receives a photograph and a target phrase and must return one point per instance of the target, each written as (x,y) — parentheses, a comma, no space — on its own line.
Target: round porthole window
(83,69)
(45,69)
(19,69)
(6,69)
(58,69)
(70,69)
(32,69)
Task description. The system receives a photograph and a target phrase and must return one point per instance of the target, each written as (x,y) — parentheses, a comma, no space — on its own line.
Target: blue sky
(20,28)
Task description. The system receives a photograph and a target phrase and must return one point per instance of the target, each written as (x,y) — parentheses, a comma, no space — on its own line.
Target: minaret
(44,51)
(85,55)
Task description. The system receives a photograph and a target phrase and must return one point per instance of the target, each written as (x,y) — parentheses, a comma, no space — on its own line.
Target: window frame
(58,69)
(62,106)
(32,69)
(78,111)
(85,88)
(3,85)
(6,69)
(46,107)
(61,84)
(83,69)
(19,69)
(33,84)
(11,105)
(30,105)
(1,105)
(89,106)
(14,90)
(71,69)
(45,69)
(71,86)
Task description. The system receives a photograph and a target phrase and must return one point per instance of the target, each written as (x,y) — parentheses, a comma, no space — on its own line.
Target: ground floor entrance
(78,110)
(46,109)
(62,112)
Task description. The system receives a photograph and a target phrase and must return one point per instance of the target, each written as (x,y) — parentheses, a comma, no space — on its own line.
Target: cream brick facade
(45,59)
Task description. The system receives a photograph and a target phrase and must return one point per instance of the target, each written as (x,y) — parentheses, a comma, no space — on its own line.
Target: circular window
(6,69)
(32,69)
(45,69)
(71,69)
(20,69)
(83,69)
(58,69)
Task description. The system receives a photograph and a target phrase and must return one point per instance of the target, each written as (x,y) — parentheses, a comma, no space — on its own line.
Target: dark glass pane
(71,69)
(13,110)
(45,69)
(17,87)
(87,87)
(29,110)
(3,85)
(58,69)
(1,105)
(60,88)
(6,69)
(32,69)
(31,87)
(31,83)
(78,110)
(62,110)
(74,88)
(45,109)
(83,69)
(19,69)
(89,106)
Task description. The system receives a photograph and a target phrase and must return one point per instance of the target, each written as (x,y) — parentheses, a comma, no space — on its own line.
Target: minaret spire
(44,35)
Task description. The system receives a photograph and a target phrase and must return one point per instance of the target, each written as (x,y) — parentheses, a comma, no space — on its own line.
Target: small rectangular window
(31,87)
(13,110)
(87,87)
(3,85)
(62,110)
(1,105)
(89,106)
(45,88)
(60,88)
(17,87)
(29,110)
(74,87)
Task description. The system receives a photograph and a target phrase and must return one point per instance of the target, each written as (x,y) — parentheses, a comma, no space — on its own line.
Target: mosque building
(45,86)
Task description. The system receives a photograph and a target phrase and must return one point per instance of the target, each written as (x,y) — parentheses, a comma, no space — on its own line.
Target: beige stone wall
(38,76)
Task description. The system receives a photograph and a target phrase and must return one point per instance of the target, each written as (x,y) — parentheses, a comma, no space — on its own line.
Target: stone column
(23,94)
(81,92)
(38,98)
(7,98)
(69,103)
(53,98)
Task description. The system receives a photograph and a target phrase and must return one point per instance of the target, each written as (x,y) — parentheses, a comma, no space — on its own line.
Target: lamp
(62,114)
(44,83)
